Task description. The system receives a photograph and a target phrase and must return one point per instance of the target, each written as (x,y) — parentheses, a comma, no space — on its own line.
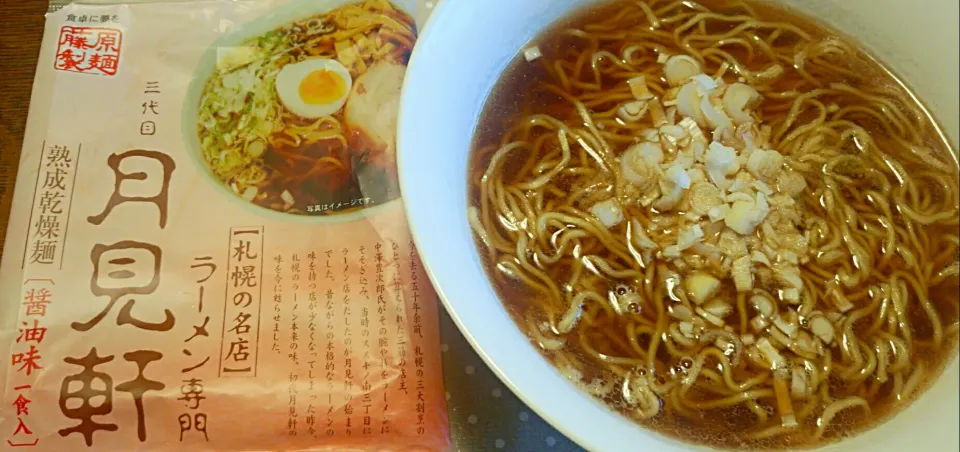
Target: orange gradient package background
(147,307)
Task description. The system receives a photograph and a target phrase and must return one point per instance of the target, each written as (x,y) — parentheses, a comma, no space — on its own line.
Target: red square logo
(89,50)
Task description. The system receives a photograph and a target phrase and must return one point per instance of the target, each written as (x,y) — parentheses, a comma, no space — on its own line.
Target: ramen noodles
(728,223)
(302,119)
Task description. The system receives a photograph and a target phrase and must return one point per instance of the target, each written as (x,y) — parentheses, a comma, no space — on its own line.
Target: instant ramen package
(207,248)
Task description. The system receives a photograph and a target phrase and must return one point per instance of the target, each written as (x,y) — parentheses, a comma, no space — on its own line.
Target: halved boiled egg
(314,88)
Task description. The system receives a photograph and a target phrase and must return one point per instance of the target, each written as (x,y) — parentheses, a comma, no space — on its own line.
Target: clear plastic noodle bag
(207,247)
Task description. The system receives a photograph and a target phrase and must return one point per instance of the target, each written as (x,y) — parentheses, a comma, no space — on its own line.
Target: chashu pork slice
(372,108)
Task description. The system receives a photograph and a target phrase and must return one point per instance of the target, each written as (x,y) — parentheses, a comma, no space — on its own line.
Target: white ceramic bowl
(464,47)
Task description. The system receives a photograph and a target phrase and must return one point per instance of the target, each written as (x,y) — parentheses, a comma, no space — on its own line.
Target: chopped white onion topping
(822,327)
(701,286)
(689,236)
(608,212)
(679,68)
(745,216)
(737,99)
(532,53)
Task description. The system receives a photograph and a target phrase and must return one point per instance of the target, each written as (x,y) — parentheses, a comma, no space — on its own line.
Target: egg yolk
(322,87)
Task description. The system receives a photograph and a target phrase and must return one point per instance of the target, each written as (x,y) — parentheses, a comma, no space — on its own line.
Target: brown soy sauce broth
(521,93)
